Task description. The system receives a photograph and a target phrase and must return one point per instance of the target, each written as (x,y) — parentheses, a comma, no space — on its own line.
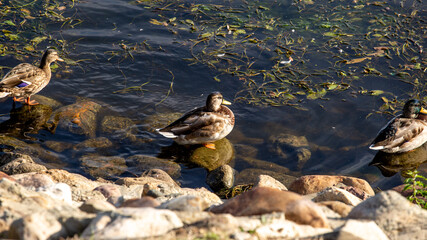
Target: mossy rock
(211,159)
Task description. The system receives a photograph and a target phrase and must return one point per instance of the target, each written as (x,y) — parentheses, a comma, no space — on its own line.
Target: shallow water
(337,128)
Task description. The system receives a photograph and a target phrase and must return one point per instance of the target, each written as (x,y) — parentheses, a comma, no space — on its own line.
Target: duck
(405,132)
(25,80)
(203,125)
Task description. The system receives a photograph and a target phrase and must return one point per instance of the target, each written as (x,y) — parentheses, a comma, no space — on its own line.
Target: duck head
(50,56)
(215,100)
(413,108)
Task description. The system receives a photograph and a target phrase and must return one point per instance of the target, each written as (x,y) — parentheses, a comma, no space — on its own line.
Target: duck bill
(423,111)
(59,59)
(225,102)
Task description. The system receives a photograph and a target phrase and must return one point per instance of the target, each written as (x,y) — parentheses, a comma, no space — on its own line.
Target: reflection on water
(391,163)
(26,120)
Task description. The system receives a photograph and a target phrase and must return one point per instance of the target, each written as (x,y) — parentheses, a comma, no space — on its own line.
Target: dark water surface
(337,129)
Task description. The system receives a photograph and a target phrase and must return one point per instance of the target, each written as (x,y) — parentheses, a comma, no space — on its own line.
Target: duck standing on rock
(405,132)
(25,80)
(203,125)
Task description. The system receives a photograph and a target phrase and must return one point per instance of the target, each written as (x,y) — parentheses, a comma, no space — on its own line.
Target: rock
(361,230)
(141,163)
(58,191)
(250,176)
(339,207)
(288,230)
(243,150)
(159,120)
(394,214)
(78,118)
(113,124)
(160,175)
(186,203)
(58,146)
(129,223)
(15,163)
(103,166)
(192,217)
(315,183)
(39,225)
(265,165)
(108,190)
(100,142)
(96,206)
(42,100)
(263,200)
(222,177)
(141,202)
(212,159)
(290,147)
(207,196)
(4,175)
(267,181)
(33,180)
(336,194)
(81,187)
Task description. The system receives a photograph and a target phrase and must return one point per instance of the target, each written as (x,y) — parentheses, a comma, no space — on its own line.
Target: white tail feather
(4,94)
(167,134)
(373,147)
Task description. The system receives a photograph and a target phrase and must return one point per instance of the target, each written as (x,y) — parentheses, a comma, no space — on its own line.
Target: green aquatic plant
(417,185)
(319,48)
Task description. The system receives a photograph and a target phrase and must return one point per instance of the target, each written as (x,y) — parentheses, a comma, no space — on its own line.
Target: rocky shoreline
(41,203)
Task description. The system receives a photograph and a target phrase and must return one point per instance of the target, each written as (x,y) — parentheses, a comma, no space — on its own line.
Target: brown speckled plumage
(404,132)
(202,125)
(25,79)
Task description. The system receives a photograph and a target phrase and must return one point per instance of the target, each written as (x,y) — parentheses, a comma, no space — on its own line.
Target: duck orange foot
(209,145)
(26,101)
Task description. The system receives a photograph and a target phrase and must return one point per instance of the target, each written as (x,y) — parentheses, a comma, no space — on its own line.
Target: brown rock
(263,200)
(337,206)
(267,181)
(141,202)
(315,183)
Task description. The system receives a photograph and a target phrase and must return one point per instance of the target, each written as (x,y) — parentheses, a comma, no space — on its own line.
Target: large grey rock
(267,181)
(186,203)
(132,223)
(394,214)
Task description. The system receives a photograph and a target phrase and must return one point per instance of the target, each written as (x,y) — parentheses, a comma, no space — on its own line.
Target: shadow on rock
(391,163)
(199,155)
(26,120)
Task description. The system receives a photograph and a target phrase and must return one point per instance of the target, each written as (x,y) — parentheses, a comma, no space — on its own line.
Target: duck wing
(401,134)
(21,76)
(190,122)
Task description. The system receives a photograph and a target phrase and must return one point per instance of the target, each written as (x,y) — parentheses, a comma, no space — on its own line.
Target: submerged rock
(211,159)
(141,163)
(160,120)
(251,176)
(78,118)
(103,166)
(290,148)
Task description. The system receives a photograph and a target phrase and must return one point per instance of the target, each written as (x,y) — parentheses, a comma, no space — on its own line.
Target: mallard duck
(25,80)
(405,132)
(203,125)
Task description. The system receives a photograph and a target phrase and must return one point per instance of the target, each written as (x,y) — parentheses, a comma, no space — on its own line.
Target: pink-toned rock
(141,202)
(261,200)
(34,180)
(108,190)
(315,183)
